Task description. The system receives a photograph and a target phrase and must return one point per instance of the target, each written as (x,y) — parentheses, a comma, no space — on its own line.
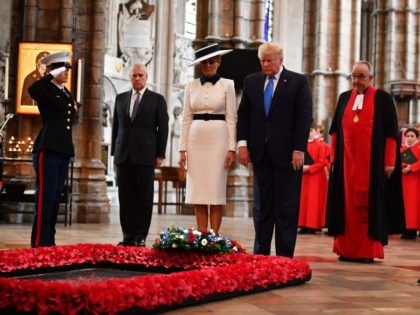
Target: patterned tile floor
(385,287)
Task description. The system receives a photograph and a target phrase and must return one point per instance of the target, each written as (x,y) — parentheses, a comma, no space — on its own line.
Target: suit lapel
(279,91)
(125,105)
(141,104)
(260,91)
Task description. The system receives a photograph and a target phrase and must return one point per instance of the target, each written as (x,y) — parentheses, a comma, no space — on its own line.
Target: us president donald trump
(274,118)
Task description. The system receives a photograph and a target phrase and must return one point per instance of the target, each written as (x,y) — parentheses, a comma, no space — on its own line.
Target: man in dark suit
(139,137)
(274,117)
(53,146)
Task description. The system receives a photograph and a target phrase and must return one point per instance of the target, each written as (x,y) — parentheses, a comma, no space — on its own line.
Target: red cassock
(313,196)
(327,150)
(357,135)
(411,190)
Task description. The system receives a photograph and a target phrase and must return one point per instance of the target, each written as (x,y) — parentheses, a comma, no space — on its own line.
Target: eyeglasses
(208,61)
(358,76)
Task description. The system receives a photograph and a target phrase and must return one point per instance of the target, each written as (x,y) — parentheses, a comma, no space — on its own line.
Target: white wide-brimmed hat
(57,60)
(208,52)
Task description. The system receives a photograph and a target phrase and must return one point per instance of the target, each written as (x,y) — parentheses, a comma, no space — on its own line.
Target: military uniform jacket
(58,110)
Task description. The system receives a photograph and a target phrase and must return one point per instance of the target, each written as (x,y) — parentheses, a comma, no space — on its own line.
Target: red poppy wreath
(157,279)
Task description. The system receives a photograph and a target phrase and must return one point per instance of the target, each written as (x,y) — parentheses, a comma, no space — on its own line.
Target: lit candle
(79,80)
(6,79)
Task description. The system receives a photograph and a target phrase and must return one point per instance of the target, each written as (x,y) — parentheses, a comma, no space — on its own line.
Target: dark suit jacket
(144,138)
(58,111)
(287,126)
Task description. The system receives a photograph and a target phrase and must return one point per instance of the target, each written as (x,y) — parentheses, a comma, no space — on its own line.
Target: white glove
(57,71)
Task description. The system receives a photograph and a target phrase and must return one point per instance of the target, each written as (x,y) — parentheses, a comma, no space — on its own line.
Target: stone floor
(385,287)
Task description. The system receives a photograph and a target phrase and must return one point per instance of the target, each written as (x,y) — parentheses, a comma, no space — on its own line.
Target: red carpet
(94,278)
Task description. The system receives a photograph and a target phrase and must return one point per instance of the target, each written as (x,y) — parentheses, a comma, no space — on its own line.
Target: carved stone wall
(237,24)
(330,47)
(338,33)
(397,55)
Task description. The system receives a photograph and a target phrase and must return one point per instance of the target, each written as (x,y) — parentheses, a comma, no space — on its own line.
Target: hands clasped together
(244,159)
(229,160)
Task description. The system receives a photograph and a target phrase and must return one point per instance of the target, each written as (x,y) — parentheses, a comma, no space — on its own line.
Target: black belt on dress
(208,117)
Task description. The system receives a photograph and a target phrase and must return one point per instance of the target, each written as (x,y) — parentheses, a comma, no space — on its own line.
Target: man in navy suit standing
(139,137)
(274,118)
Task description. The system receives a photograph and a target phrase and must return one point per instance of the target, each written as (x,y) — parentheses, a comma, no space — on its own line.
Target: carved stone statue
(140,8)
(135,32)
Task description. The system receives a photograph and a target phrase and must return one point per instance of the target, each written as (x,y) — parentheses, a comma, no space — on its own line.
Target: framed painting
(30,69)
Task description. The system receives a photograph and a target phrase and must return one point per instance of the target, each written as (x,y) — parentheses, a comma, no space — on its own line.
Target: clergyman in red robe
(365,202)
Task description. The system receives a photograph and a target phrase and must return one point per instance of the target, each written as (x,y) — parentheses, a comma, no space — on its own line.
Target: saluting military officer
(53,146)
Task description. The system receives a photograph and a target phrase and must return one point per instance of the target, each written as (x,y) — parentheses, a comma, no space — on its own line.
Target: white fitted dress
(208,142)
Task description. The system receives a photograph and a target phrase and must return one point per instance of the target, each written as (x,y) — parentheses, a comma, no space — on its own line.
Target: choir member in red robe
(410,156)
(365,202)
(314,187)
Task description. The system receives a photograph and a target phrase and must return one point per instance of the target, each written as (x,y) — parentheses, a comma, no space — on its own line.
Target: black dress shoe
(139,242)
(409,234)
(306,230)
(408,237)
(358,260)
(126,242)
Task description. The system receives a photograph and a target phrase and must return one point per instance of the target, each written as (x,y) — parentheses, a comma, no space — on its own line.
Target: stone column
(257,19)
(221,21)
(165,35)
(164,56)
(66,21)
(331,45)
(111,38)
(380,45)
(228,22)
(412,45)
(308,48)
(288,17)
(239,37)
(348,49)
(90,200)
(397,55)
(201,23)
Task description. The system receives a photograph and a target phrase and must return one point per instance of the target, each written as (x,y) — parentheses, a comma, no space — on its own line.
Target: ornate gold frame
(28,52)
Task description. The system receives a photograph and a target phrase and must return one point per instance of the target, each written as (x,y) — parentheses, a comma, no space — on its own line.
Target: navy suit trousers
(279,199)
(135,194)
